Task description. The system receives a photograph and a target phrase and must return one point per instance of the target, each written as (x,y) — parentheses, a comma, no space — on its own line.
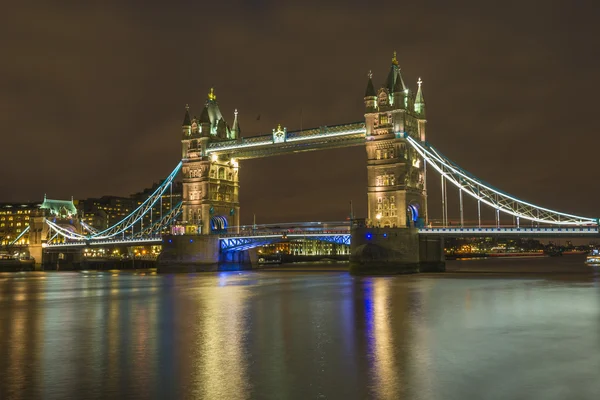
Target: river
(487,329)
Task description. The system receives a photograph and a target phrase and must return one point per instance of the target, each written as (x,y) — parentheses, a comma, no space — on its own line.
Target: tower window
(378,154)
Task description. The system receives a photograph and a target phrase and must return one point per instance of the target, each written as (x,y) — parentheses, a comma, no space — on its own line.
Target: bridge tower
(396,191)
(210,183)
(61,212)
(388,241)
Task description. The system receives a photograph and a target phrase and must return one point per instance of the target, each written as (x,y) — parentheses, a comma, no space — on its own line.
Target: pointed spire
(391,78)
(204,118)
(186,119)
(212,96)
(235,131)
(370,89)
(419,100)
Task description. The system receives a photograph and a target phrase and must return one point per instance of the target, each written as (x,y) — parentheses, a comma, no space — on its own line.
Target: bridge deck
(236,241)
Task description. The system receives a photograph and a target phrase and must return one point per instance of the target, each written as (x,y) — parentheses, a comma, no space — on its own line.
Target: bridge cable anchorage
(139,213)
(65,233)
(491,196)
(19,236)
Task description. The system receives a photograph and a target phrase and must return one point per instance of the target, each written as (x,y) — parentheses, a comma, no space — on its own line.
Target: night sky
(92,95)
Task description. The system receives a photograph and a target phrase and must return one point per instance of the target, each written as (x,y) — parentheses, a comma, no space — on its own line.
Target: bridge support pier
(388,251)
(199,253)
(36,252)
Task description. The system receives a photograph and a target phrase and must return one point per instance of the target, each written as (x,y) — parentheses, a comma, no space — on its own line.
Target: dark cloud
(92,93)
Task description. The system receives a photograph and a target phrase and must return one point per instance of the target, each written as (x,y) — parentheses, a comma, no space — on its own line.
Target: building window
(378,154)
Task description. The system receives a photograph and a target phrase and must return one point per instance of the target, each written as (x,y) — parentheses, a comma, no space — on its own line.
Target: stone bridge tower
(396,190)
(389,242)
(61,212)
(210,183)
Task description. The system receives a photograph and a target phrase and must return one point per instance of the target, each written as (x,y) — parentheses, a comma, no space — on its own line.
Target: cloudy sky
(92,94)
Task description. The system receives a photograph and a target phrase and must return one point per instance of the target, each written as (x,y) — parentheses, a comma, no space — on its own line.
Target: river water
(488,329)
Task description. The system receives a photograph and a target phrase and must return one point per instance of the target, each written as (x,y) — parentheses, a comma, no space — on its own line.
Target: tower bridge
(396,235)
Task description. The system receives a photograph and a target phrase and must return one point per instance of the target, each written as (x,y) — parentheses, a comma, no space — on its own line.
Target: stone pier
(388,251)
(197,253)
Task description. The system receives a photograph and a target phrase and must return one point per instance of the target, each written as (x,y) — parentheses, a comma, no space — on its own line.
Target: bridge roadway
(247,240)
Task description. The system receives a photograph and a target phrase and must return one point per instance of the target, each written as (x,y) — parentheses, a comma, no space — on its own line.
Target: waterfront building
(305,247)
(105,211)
(14,219)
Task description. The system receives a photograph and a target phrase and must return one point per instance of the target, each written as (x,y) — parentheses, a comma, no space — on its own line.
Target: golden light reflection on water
(221,367)
(385,369)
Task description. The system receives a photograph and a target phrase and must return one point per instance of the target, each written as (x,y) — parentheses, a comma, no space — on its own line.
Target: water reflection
(297,335)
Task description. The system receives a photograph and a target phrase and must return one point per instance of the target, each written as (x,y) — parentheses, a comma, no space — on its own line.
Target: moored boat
(593,258)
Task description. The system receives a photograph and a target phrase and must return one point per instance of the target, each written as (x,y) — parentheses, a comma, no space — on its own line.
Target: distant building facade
(14,219)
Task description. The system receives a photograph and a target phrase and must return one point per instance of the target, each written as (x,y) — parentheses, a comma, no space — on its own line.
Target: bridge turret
(370,96)
(235,130)
(187,122)
(420,110)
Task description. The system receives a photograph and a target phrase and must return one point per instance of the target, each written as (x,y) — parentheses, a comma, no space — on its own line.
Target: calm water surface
(491,329)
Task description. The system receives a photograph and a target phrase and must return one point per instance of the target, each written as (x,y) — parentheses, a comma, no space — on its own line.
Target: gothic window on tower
(383,119)
(378,154)
(392,180)
(391,153)
(221,173)
(379,200)
(385,154)
(392,199)
(378,180)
